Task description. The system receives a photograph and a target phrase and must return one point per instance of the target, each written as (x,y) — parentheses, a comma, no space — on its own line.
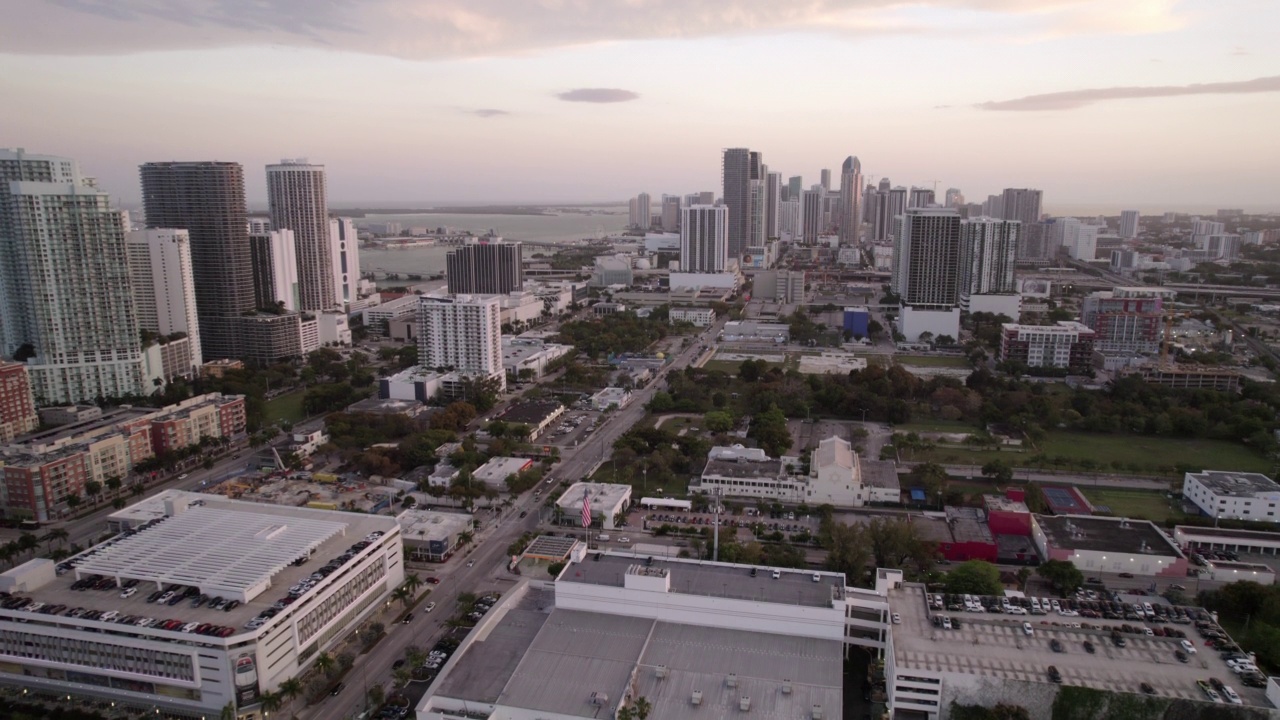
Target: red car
(433,580)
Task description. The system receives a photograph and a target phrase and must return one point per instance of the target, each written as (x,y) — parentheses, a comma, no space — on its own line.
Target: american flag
(586,508)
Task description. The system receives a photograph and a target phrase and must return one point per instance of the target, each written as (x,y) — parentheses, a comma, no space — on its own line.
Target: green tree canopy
(1065,577)
(975,577)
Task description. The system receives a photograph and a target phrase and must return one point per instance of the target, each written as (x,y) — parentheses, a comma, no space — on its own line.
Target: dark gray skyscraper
(926,258)
(485,268)
(850,199)
(737,197)
(795,186)
(773,197)
(1020,204)
(207,200)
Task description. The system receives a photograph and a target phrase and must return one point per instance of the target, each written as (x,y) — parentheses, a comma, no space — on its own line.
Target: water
(425,260)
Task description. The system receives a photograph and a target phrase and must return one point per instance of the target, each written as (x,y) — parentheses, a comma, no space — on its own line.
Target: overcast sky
(1107,102)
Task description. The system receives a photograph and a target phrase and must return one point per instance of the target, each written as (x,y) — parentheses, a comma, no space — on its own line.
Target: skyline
(1159,104)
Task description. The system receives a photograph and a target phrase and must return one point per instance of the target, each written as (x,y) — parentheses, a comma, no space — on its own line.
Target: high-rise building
(994,206)
(704,239)
(1126,320)
(1129,224)
(737,197)
(869,203)
(811,215)
(164,287)
(485,268)
(773,197)
(298,200)
(954,198)
(1020,204)
(757,171)
(66,297)
(795,186)
(670,213)
(988,253)
(790,223)
(890,204)
(926,263)
(462,333)
(920,197)
(275,270)
(706,197)
(850,200)
(641,217)
(1077,239)
(345,247)
(207,200)
(824,179)
(17,403)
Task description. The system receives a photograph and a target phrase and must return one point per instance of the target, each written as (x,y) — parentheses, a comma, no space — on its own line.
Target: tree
(975,577)
(930,477)
(403,595)
(377,695)
(642,708)
(750,370)
(848,551)
(291,688)
(1063,575)
(769,429)
(92,488)
(554,569)
(270,701)
(999,472)
(1034,498)
(73,501)
(718,421)
(324,662)
(413,582)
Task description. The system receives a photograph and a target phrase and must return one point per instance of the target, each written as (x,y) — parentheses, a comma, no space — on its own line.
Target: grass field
(936,426)
(1152,506)
(286,407)
(1137,455)
(672,487)
(932,361)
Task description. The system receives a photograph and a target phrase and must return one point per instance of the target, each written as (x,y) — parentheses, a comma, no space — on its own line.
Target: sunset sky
(1152,103)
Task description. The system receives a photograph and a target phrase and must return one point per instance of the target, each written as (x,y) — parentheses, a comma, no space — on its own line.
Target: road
(488,554)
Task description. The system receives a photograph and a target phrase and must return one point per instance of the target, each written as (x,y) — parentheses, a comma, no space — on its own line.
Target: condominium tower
(737,197)
(345,249)
(850,200)
(462,333)
(704,239)
(1020,204)
(275,270)
(207,200)
(164,288)
(485,268)
(1129,224)
(66,299)
(297,196)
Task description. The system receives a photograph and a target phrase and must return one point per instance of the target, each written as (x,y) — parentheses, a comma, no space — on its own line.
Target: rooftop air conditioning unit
(599,698)
(786,687)
(662,672)
(744,703)
(697,697)
(732,680)
(817,712)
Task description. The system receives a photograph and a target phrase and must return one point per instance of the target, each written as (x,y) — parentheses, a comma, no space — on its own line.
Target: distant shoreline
(541,210)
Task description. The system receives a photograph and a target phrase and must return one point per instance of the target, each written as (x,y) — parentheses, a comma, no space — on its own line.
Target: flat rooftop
(1236,484)
(1227,533)
(552,661)
(880,473)
(426,525)
(205,519)
(532,413)
(998,649)
(604,496)
(969,525)
(768,469)
(548,546)
(1088,532)
(108,419)
(794,587)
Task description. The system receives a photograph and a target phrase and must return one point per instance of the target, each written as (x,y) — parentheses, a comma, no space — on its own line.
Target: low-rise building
(612,270)
(17,403)
(607,501)
(1233,495)
(527,358)
(536,415)
(307,441)
(698,317)
(495,472)
(1067,345)
(284,584)
(396,309)
(961,535)
(431,536)
(1106,544)
(836,476)
(755,331)
(610,398)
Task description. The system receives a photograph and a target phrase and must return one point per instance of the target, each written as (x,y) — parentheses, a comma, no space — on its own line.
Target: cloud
(1239,51)
(487,112)
(437,29)
(1075,99)
(598,95)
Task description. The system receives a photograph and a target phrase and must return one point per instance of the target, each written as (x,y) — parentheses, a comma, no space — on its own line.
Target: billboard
(1035,287)
(246,678)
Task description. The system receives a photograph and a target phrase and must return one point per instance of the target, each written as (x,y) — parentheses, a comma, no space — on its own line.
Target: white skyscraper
(297,195)
(164,290)
(275,269)
(462,333)
(1129,224)
(704,239)
(641,217)
(66,296)
(345,249)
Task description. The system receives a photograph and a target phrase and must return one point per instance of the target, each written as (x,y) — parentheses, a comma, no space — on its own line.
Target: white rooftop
(222,551)
(605,497)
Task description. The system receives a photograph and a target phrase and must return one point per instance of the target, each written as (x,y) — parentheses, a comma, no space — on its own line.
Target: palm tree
(402,675)
(642,708)
(138,488)
(291,688)
(113,484)
(228,712)
(402,594)
(55,535)
(271,701)
(324,661)
(413,582)
(625,713)
(414,655)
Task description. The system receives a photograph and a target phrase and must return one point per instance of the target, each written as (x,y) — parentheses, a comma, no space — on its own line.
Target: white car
(1015,610)
(128,592)
(1188,646)
(471,563)
(429,607)
(1068,612)
(1026,629)
(1231,695)
(897,619)
(946,623)
(1056,607)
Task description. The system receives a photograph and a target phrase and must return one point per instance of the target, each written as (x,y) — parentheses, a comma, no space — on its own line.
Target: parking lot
(997,645)
(572,427)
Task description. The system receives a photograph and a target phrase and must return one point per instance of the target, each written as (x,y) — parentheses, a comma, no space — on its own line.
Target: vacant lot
(1152,506)
(936,426)
(286,407)
(932,361)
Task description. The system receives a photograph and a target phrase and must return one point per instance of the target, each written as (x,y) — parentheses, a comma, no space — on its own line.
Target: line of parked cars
(25,604)
(301,588)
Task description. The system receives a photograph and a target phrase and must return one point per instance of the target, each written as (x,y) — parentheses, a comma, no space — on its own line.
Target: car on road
(1054,675)
(183,476)
(336,690)
(407,619)
(1181,655)
(524,513)
(471,563)
(1146,689)
(397,664)
(429,607)
(1126,575)
(433,580)
(1186,645)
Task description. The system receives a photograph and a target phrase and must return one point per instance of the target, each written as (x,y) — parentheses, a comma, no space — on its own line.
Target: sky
(1147,103)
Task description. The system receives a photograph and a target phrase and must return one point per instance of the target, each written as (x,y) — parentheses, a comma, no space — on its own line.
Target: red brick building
(17,404)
